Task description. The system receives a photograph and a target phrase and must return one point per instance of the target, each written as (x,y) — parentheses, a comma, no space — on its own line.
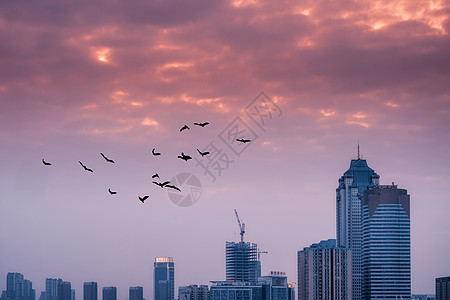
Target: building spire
(358,151)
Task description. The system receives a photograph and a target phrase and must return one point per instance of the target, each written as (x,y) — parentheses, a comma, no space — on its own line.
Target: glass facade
(348,214)
(164,278)
(386,245)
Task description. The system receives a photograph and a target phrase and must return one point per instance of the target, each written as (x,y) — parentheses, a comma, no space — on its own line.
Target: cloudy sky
(121,78)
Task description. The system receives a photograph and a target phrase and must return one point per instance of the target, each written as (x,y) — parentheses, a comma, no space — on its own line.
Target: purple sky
(121,78)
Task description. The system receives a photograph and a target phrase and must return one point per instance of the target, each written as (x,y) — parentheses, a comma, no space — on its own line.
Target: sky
(304,80)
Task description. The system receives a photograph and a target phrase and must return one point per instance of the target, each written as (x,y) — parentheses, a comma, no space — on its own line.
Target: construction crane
(241,226)
(259,254)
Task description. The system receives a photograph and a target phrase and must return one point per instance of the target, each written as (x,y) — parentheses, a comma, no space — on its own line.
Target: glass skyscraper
(386,246)
(348,214)
(164,278)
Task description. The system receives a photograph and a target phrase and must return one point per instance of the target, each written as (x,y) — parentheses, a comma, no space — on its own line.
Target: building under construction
(242,258)
(242,263)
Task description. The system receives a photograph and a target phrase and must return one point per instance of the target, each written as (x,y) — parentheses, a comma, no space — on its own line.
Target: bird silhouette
(156,176)
(184,157)
(173,187)
(107,159)
(112,192)
(86,168)
(143,198)
(201,124)
(46,163)
(155,153)
(242,140)
(184,127)
(161,184)
(203,153)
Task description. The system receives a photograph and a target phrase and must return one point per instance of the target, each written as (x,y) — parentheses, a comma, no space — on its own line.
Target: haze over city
(79,79)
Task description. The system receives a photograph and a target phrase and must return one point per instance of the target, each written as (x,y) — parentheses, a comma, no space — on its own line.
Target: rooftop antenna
(358,151)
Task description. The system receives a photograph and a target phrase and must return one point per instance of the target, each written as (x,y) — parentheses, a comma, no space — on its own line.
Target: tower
(164,278)
(90,291)
(136,293)
(386,245)
(241,261)
(109,293)
(348,213)
(324,272)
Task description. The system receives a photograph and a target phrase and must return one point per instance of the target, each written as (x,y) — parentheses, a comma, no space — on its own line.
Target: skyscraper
(443,288)
(64,291)
(90,291)
(136,293)
(164,278)
(241,261)
(18,288)
(386,246)
(324,272)
(51,288)
(109,293)
(348,213)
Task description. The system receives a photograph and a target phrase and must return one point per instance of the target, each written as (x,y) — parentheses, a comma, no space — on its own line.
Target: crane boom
(241,226)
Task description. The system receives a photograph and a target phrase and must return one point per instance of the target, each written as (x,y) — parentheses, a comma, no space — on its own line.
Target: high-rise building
(443,288)
(136,293)
(72,294)
(348,214)
(109,293)
(164,278)
(193,292)
(64,291)
(90,291)
(324,272)
(18,288)
(51,288)
(241,261)
(386,246)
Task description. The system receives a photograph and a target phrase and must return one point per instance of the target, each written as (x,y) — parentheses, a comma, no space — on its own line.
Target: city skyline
(123,79)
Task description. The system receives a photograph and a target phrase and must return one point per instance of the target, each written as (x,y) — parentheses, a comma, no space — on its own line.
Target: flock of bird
(165,184)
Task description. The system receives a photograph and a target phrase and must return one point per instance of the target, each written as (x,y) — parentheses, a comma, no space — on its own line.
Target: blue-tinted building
(51,288)
(164,278)
(65,290)
(386,244)
(348,214)
(443,288)
(18,288)
(109,293)
(136,293)
(90,291)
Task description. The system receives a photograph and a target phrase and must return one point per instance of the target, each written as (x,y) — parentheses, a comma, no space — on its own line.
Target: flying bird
(155,153)
(112,192)
(173,187)
(161,184)
(184,157)
(86,168)
(46,163)
(203,153)
(242,140)
(201,124)
(156,176)
(107,159)
(143,198)
(184,127)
